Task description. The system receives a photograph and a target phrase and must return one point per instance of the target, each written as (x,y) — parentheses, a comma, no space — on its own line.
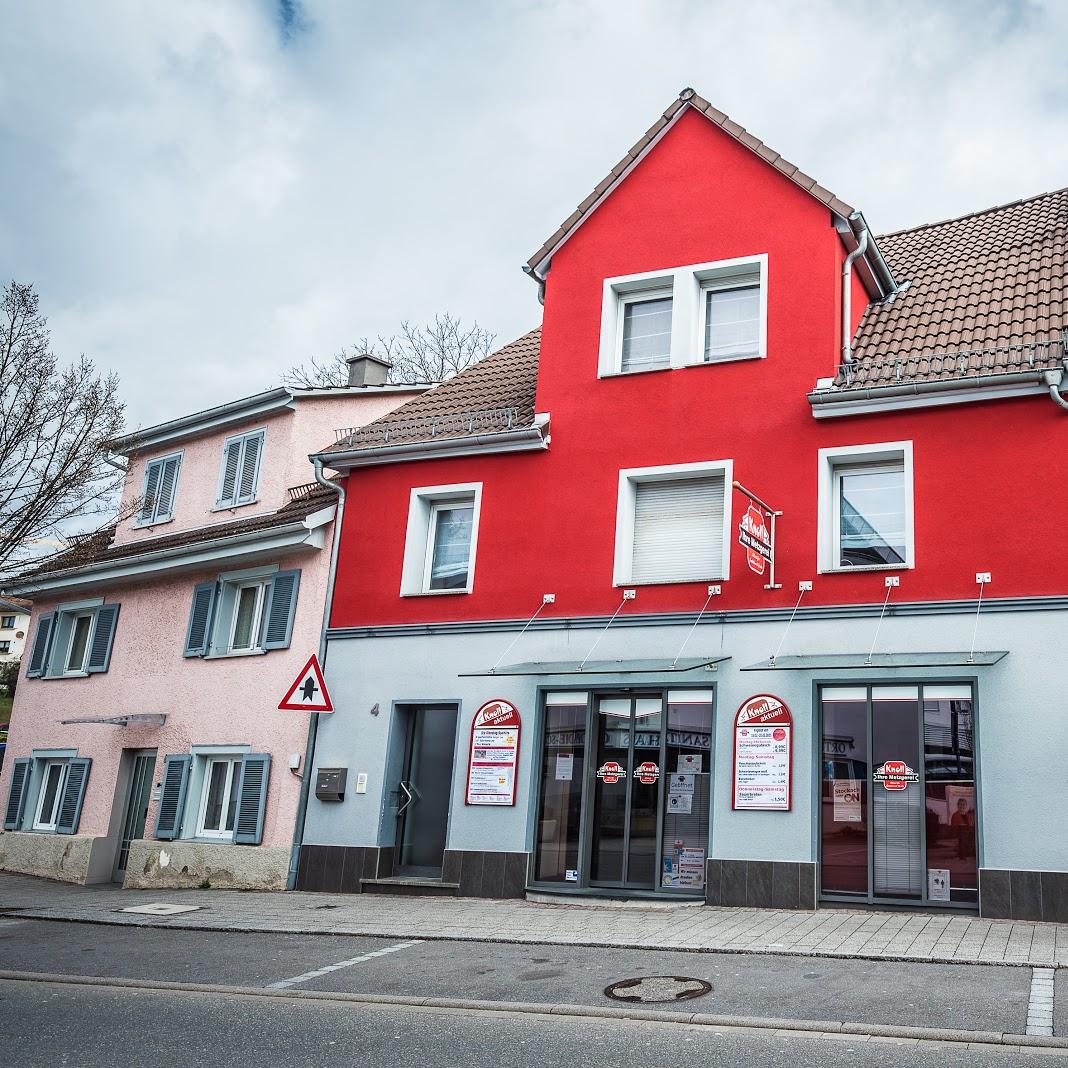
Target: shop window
(673,524)
(441,539)
(683,317)
(866,508)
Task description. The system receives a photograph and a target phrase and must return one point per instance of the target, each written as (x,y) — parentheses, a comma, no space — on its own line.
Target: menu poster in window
(763,755)
(493,758)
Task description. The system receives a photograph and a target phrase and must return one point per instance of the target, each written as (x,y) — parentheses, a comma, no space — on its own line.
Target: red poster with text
(493,758)
(763,755)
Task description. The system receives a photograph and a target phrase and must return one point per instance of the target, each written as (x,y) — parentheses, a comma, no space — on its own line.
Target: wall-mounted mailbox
(330,784)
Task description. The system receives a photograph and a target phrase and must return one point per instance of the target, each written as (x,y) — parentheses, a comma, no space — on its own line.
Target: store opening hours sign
(763,755)
(493,758)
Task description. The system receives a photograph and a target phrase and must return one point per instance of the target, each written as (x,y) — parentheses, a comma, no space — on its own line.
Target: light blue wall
(1023,727)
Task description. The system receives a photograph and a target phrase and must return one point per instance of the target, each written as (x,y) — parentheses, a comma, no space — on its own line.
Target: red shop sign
(753,535)
(611,772)
(493,757)
(763,755)
(895,775)
(647,773)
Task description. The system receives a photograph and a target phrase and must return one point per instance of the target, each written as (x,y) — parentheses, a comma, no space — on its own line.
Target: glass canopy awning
(604,667)
(138,719)
(860,661)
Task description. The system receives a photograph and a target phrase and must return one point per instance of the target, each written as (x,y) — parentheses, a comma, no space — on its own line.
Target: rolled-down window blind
(678,529)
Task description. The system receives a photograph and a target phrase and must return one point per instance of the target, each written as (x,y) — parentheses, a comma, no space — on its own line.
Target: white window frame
(223,628)
(38,823)
(85,613)
(260,586)
(687,286)
(418,547)
(828,529)
(5,646)
(237,502)
(623,568)
(210,759)
(160,461)
(5,625)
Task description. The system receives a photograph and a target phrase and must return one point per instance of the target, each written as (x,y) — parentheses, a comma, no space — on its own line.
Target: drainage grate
(654,988)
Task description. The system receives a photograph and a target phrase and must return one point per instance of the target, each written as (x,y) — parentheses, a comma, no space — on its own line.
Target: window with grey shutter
(42,642)
(161,485)
(252,798)
(172,796)
(281,608)
(70,804)
(16,793)
(240,476)
(198,633)
(107,616)
(678,529)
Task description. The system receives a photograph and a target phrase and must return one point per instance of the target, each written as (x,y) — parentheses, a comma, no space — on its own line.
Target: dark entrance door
(627,798)
(425,789)
(137,798)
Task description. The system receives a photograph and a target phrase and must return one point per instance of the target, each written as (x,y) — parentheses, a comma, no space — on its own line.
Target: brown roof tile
(986,294)
(688,98)
(494,395)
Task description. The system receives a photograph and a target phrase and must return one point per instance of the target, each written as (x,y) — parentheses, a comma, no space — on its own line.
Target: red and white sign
(753,535)
(611,771)
(763,755)
(308,693)
(895,775)
(493,758)
(647,773)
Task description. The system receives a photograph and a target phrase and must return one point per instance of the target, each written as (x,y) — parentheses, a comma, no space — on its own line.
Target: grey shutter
(107,616)
(281,607)
(152,478)
(168,483)
(250,468)
(252,798)
(172,797)
(16,793)
(42,641)
(231,460)
(678,529)
(70,804)
(198,633)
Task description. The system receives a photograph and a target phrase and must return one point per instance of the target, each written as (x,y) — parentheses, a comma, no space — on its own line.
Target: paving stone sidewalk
(827,932)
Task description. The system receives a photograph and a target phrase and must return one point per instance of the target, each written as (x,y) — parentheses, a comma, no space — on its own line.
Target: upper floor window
(673,523)
(439,548)
(685,316)
(160,488)
(7,622)
(74,640)
(240,474)
(866,507)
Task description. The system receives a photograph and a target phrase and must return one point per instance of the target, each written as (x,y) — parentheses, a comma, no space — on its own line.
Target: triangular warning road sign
(308,693)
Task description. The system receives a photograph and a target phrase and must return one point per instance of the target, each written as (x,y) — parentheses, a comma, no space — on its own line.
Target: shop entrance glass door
(898,801)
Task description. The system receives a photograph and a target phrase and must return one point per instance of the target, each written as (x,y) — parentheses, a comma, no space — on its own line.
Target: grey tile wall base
(1006,894)
(760,884)
(482,873)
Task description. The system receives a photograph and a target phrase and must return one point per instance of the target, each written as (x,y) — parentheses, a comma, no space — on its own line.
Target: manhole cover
(161,908)
(649,988)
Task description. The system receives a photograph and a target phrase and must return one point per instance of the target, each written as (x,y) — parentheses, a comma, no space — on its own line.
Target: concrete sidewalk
(827,933)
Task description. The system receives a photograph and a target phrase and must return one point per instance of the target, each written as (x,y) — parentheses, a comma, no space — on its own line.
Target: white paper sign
(846,796)
(680,804)
(565,766)
(938,884)
(681,784)
(690,762)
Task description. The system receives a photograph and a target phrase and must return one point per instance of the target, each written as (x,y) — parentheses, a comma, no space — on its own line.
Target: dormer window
(240,475)
(685,317)
(160,489)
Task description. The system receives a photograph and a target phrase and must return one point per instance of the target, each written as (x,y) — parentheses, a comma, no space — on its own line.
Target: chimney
(367,370)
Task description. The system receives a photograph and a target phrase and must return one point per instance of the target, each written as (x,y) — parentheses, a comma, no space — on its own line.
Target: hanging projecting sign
(493,759)
(763,764)
(895,775)
(756,533)
(308,693)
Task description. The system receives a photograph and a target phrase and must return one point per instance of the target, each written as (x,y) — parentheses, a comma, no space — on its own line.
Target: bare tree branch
(55,426)
(430,353)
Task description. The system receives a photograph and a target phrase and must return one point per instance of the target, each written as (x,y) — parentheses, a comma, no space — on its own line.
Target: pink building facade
(146,745)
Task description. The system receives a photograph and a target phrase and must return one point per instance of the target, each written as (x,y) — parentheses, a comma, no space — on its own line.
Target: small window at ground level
(646,336)
(218,806)
(5,647)
(53,778)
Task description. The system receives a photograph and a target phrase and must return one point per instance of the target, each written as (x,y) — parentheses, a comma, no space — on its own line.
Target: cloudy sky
(206,192)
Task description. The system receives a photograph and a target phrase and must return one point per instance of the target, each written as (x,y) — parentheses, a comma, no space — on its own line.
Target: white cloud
(202,203)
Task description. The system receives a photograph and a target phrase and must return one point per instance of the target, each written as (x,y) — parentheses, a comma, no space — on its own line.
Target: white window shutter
(678,529)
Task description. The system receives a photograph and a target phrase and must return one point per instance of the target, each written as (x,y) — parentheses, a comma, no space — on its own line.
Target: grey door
(425,789)
(137,798)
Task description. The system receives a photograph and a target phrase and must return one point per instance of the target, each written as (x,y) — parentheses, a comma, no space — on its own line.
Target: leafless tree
(429,353)
(55,423)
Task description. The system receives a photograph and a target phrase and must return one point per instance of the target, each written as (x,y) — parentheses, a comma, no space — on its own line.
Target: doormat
(161,908)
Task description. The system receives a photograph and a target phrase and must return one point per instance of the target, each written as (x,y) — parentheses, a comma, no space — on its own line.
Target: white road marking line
(283,983)
(1040,1003)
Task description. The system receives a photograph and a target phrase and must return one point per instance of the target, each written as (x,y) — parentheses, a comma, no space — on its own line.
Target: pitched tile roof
(99,547)
(689,99)
(494,395)
(986,294)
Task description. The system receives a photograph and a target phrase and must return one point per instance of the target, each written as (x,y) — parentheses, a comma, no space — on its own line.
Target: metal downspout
(847,297)
(532,274)
(313,721)
(1053,380)
(113,463)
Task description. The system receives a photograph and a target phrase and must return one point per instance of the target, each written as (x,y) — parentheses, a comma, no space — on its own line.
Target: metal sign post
(757,537)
